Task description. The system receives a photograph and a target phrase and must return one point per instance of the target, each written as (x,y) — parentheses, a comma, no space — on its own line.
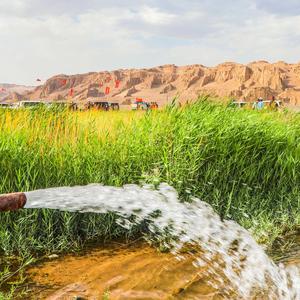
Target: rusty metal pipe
(12,202)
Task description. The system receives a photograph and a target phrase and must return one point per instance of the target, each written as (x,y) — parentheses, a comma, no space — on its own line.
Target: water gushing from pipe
(231,255)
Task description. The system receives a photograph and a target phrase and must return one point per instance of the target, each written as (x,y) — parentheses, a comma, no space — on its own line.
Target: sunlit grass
(246,164)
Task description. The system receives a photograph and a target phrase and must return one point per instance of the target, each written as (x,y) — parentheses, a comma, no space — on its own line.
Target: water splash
(232,257)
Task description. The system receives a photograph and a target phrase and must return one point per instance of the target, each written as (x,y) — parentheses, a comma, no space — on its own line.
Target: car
(98,105)
(114,106)
(61,105)
(140,104)
(29,104)
(5,105)
(239,104)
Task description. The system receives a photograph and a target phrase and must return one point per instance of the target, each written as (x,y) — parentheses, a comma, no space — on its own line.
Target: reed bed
(246,164)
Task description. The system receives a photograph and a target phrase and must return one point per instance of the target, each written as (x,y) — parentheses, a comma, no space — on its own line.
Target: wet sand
(120,272)
(135,271)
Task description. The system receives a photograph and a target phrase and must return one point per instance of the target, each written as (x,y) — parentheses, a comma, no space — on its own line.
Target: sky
(42,38)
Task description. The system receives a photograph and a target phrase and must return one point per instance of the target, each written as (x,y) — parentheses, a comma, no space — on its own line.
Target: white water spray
(231,254)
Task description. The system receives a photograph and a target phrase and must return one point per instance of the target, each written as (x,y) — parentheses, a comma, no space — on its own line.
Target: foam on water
(231,254)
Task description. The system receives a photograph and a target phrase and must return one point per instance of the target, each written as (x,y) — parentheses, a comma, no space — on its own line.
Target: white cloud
(43,38)
(14,7)
(155,16)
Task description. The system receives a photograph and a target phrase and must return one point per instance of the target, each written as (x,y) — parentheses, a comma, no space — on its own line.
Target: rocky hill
(161,84)
(13,91)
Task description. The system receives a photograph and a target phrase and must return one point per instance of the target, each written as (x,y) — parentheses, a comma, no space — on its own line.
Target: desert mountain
(161,84)
(13,91)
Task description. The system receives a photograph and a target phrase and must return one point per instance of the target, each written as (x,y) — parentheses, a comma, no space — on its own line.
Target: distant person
(260,103)
(273,104)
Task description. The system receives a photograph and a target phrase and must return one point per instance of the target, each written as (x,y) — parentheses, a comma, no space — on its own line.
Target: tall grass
(246,164)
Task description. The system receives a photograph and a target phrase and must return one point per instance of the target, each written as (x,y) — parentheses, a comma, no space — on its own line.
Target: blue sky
(41,38)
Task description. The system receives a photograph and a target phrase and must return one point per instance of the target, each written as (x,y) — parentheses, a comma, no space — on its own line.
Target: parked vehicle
(114,106)
(102,105)
(5,105)
(153,105)
(98,105)
(140,104)
(29,104)
(240,104)
(63,105)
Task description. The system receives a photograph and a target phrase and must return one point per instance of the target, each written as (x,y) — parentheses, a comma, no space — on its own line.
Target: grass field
(246,164)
